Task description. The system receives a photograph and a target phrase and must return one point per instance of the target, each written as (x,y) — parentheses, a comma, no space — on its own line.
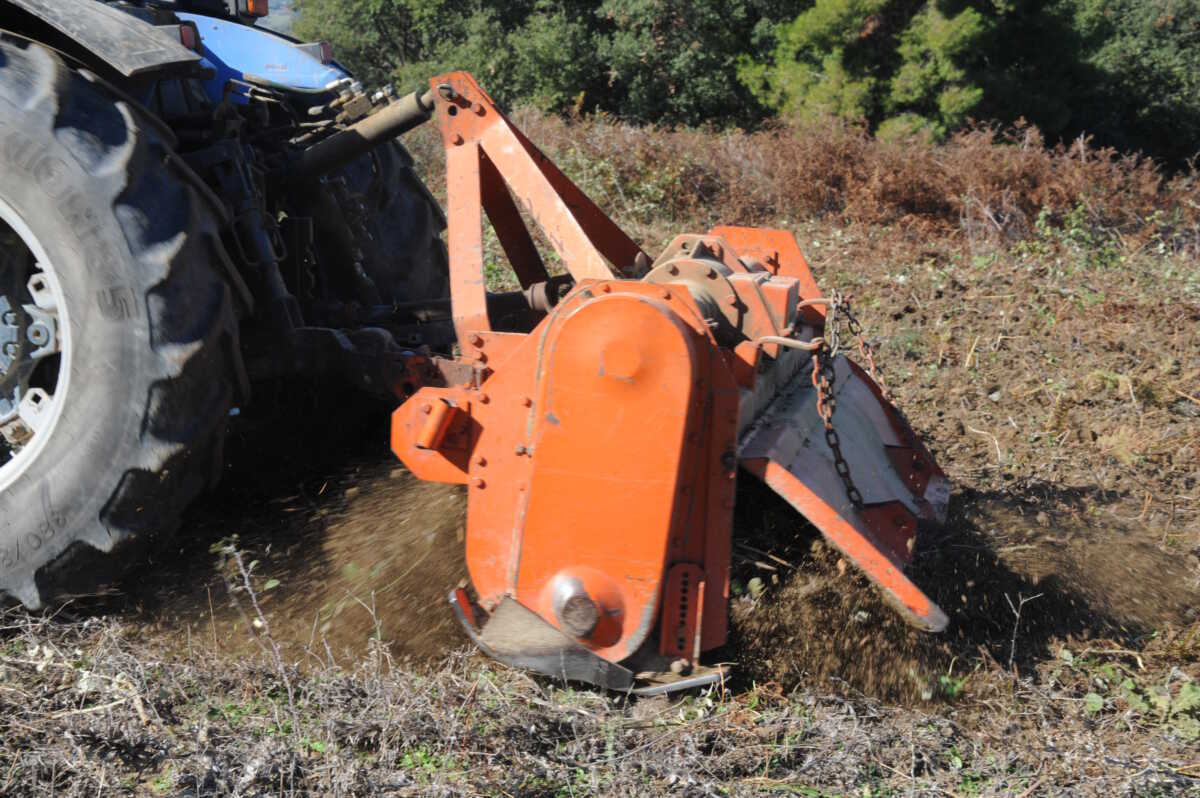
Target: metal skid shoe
(519,637)
(601,447)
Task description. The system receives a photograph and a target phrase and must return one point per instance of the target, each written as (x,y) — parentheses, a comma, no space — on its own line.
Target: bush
(1126,72)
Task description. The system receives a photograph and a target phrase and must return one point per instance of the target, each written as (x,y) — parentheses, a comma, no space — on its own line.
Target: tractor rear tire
(377,211)
(148,335)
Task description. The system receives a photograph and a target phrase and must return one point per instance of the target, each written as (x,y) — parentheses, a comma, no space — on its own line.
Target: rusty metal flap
(786,448)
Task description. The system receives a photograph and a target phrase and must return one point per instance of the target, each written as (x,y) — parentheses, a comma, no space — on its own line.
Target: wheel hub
(32,361)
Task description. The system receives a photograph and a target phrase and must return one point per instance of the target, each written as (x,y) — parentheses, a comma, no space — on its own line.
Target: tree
(1125,71)
(671,61)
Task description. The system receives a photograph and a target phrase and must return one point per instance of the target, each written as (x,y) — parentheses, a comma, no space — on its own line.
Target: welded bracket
(488,161)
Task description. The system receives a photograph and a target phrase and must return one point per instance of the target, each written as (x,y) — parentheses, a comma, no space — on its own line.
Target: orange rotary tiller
(601,447)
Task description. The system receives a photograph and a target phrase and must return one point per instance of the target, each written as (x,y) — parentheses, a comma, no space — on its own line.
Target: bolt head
(477,482)
(731,300)
(10,349)
(476,339)
(481,461)
(10,318)
(456,139)
(578,614)
(526,401)
(426,408)
(520,450)
(484,398)
(665,294)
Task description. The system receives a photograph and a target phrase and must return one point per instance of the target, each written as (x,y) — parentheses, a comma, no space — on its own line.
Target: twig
(266,626)
(1021,602)
(999,454)
(1118,651)
(1187,396)
(766,554)
(66,713)
(212,621)
(970,353)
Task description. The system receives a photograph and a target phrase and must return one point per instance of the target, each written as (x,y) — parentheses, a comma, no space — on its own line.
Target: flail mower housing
(601,448)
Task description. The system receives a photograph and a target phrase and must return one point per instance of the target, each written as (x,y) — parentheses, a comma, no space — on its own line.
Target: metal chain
(864,347)
(823,378)
(824,350)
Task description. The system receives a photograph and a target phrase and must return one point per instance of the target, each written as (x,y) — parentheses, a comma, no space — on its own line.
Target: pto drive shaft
(394,119)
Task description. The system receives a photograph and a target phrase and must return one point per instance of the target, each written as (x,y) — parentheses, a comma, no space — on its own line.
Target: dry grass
(983,184)
(89,709)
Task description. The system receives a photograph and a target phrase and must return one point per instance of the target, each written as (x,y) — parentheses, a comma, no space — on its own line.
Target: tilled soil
(342,547)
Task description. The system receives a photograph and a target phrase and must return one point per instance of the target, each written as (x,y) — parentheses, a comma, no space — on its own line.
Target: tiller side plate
(601,448)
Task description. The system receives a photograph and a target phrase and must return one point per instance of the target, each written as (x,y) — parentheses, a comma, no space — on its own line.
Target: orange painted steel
(590,454)
(850,539)
(779,252)
(601,447)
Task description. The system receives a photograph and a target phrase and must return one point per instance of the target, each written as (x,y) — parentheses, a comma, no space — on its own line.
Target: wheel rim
(35,347)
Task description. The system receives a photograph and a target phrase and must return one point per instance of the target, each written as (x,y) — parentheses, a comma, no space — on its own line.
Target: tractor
(191,204)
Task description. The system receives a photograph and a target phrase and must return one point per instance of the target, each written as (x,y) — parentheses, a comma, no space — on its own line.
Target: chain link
(823,379)
(838,312)
(864,346)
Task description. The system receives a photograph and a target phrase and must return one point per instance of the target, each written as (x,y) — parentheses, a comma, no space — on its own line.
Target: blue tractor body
(248,54)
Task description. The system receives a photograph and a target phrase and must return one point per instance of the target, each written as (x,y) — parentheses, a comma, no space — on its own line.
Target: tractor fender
(247,53)
(127,44)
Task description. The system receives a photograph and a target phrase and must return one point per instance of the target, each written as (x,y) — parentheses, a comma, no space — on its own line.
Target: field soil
(1037,316)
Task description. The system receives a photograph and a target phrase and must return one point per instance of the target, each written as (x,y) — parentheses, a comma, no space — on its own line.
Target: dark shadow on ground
(348,547)
(1080,572)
